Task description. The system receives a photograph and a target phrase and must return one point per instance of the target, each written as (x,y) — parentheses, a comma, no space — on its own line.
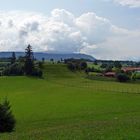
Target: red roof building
(110,74)
(131,69)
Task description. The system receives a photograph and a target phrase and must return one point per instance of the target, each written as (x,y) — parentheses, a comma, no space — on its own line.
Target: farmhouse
(110,74)
(130,69)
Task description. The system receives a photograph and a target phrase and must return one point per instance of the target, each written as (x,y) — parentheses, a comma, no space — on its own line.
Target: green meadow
(68,106)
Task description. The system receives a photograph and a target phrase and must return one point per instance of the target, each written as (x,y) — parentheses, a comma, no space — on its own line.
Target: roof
(110,74)
(126,69)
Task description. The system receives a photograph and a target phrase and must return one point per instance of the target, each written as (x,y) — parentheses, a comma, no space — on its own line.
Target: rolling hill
(48,56)
(65,106)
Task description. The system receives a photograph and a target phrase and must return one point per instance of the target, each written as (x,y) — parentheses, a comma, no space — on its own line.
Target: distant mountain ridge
(48,56)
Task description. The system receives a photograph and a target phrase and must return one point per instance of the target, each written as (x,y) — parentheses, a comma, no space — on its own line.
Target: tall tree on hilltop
(29,60)
(13,58)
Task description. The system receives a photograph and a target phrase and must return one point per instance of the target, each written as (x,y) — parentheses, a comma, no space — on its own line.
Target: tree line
(76,64)
(24,65)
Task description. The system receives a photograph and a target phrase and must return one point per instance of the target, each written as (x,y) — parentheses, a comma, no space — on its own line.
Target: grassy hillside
(67,106)
(58,71)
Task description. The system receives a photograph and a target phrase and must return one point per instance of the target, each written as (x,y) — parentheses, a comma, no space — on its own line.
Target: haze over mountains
(48,56)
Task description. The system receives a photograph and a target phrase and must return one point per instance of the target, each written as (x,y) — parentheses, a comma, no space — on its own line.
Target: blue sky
(122,16)
(96,27)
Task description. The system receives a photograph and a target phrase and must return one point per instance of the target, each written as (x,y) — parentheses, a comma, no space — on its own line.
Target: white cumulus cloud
(63,32)
(130,3)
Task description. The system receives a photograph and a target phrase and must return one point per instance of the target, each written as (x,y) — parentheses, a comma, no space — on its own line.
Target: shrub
(37,72)
(117,64)
(13,70)
(87,70)
(71,66)
(138,76)
(109,68)
(7,120)
(135,75)
(76,64)
(40,65)
(122,77)
(104,65)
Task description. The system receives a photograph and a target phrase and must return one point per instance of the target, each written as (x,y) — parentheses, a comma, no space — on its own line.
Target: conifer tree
(7,120)
(13,58)
(29,60)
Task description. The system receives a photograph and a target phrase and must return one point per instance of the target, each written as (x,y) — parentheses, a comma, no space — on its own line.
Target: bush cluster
(23,66)
(76,64)
(14,70)
(37,72)
(122,77)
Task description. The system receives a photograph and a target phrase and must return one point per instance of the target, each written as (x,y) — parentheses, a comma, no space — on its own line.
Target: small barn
(110,74)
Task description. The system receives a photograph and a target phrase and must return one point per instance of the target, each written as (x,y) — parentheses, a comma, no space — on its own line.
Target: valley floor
(67,106)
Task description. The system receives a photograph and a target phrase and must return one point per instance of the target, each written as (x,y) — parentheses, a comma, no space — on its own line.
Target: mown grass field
(68,106)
